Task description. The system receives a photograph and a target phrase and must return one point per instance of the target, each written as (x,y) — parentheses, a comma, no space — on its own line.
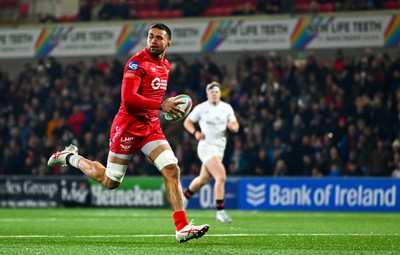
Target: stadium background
(329,114)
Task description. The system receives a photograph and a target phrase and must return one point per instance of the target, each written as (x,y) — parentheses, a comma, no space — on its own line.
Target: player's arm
(129,96)
(233,126)
(190,126)
(134,101)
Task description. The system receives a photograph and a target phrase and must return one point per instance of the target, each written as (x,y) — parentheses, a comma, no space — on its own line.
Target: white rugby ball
(187,106)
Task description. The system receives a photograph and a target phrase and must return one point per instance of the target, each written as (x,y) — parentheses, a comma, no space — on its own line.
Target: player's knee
(110,184)
(171,172)
(115,174)
(166,160)
(220,178)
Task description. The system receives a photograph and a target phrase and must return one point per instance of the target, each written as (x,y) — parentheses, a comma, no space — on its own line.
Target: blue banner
(204,198)
(306,194)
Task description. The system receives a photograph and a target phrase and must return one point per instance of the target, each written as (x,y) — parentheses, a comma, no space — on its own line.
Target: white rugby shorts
(205,151)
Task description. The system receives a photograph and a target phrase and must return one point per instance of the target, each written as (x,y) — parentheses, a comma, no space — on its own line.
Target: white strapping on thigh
(116,172)
(165,158)
(121,156)
(149,147)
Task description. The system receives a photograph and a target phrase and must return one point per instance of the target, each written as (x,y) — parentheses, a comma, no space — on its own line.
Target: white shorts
(206,151)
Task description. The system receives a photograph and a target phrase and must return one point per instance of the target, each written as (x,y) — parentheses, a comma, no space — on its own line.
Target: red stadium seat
(23,10)
(391,5)
(328,7)
(9,4)
(222,11)
(172,14)
(303,8)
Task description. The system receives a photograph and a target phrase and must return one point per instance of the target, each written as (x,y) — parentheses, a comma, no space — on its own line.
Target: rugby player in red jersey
(136,126)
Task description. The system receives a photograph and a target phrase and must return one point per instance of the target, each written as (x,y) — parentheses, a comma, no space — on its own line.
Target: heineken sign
(133,192)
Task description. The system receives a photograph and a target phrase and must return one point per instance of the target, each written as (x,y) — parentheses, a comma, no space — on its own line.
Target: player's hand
(199,135)
(171,107)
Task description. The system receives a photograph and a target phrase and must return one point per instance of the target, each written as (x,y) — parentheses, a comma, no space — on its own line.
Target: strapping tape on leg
(165,158)
(116,172)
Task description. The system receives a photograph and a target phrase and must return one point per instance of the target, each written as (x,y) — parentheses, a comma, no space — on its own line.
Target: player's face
(214,96)
(157,42)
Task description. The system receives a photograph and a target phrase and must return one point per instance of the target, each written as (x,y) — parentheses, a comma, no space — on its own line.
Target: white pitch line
(213,235)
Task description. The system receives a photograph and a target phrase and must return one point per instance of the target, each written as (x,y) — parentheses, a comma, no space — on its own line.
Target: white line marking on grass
(213,235)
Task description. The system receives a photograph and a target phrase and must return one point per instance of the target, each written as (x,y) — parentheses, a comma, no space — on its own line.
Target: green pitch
(135,231)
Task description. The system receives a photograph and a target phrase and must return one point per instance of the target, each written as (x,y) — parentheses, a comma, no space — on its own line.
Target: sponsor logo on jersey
(129,75)
(158,83)
(125,147)
(126,142)
(133,66)
(127,139)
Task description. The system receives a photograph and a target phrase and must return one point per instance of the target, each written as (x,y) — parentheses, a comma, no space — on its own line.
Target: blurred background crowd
(299,117)
(46,11)
(308,116)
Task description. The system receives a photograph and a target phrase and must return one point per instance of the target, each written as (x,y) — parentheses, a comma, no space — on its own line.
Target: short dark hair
(162,27)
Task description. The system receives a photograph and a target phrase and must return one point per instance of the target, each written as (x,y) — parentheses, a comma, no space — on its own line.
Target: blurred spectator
(335,163)
(280,168)
(381,159)
(261,166)
(244,9)
(124,11)
(107,10)
(85,11)
(267,6)
(238,163)
(351,167)
(396,171)
(194,8)
(295,155)
(46,18)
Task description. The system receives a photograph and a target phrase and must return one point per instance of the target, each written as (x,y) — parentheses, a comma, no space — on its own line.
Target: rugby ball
(187,106)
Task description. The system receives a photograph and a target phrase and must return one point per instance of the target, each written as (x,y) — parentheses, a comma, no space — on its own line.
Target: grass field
(139,231)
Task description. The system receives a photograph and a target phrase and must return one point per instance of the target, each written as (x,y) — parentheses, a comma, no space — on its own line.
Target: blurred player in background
(214,117)
(136,126)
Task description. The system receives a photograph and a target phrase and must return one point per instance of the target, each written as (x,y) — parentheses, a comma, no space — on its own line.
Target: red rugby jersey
(143,86)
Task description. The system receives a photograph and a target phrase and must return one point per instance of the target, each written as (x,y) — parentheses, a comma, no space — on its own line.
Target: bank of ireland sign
(306,194)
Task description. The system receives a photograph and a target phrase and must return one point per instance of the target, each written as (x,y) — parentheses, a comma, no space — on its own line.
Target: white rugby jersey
(212,120)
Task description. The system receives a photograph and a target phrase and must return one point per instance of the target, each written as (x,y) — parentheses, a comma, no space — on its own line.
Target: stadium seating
(391,5)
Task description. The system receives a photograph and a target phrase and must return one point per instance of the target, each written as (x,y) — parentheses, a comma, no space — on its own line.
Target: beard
(155,51)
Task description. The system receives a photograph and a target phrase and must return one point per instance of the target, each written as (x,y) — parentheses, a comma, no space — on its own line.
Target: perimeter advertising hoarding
(204,198)
(38,192)
(284,194)
(222,35)
(306,194)
(138,192)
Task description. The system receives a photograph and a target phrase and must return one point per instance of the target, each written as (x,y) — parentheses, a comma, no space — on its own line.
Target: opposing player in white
(214,117)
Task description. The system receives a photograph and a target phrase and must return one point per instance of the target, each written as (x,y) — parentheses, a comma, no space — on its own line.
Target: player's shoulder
(139,56)
(224,104)
(167,64)
(202,105)
(136,61)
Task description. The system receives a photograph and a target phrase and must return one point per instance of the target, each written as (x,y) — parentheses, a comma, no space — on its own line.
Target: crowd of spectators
(299,117)
(105,10)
